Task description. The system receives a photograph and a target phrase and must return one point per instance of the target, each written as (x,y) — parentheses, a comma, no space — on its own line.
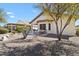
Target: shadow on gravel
(54,48)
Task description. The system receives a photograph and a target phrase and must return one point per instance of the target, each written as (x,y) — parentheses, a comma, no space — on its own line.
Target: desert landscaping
(50,30)
(38,46)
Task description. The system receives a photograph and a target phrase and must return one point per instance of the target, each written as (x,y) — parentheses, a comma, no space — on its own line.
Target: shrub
(14,32)
(19,29)
(3,30)
(77,32)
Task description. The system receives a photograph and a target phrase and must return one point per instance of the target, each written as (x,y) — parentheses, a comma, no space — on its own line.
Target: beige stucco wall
(69,30)
(42,17)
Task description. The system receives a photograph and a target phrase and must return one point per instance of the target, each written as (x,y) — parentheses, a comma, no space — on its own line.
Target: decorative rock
(74,40)
(29,37)
(5,38)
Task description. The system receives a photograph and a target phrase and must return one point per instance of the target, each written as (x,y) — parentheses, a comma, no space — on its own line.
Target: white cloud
(9,12)
(12,16)
(34,11)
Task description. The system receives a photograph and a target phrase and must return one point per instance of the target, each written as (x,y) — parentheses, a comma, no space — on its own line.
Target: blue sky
(21,11)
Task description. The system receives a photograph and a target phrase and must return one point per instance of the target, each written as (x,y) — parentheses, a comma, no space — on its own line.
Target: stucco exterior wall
(42,17)
(69,30)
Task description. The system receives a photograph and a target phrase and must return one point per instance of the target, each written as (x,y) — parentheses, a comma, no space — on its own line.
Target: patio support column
(38,27)
(11,28)
(46,27)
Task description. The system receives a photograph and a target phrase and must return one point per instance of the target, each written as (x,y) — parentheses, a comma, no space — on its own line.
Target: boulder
(5,37)
(74,40)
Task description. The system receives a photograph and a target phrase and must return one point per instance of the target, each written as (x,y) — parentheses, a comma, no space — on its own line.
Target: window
(49,26)
(14,27)
(42,26)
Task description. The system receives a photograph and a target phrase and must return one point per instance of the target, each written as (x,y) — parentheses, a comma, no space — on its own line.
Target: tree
(2,16)
(57,10)
(26,32)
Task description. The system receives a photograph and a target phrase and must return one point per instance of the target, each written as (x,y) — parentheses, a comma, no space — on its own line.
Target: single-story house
(13,26)
(46,23)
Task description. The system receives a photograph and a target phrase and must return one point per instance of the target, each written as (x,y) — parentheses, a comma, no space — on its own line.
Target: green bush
(14,32)
(77,32)
(19,29)
(3,31)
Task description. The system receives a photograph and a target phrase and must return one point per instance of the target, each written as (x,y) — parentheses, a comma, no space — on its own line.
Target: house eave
(44,21)
(36,17)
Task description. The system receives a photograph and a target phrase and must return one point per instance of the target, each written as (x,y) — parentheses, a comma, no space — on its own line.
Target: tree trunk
(57,30)
(24,34)
(59,36)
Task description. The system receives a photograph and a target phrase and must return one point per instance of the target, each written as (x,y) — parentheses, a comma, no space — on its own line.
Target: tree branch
(67,23)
